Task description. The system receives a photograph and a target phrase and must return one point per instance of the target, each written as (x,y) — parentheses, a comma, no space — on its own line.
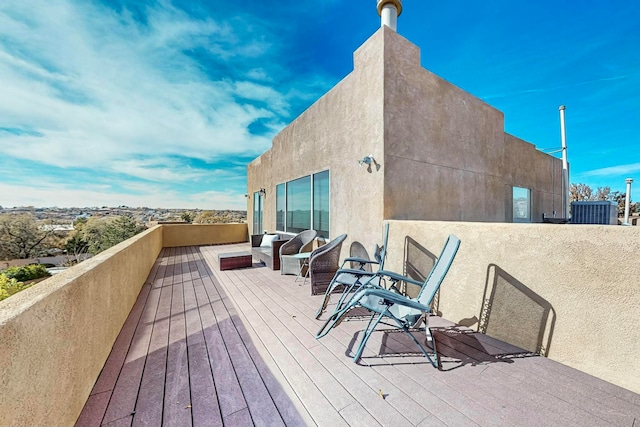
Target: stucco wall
(446,154)
(570,291)
(441,153)
(203,234)
(342,127)
(56,335)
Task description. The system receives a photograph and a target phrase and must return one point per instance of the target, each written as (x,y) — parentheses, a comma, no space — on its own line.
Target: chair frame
(301,242)
(351,279)
(380,302)
(323,264)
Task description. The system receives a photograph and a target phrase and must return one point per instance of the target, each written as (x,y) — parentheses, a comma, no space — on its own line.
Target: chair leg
(428,337)
(346,291)
(334,320)
(327,296)
(367,334)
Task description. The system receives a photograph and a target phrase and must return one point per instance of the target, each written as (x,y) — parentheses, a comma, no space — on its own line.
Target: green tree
(22,237)
(98,234)
(215,217)
(187,216)
(118,230)
(76,245)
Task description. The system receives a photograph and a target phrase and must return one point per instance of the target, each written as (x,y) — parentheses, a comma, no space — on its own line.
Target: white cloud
(85,87)
(620,170)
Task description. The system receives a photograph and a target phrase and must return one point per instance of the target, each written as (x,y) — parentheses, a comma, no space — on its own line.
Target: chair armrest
(360,261)
(276,244)
(391,297)
(256,240)
(398,277)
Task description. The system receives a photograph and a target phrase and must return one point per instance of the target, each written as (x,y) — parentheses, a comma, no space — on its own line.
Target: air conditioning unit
(598,212)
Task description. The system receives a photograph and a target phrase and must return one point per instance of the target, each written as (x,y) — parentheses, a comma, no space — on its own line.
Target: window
(303,203)
(299,205)
(521,204)
(321,203)
(258,205)
(281,206)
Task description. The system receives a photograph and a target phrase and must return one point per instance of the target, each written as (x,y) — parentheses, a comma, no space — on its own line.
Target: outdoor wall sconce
(262,192)
(369,160)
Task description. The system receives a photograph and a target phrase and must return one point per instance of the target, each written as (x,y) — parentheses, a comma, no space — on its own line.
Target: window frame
(529,201)
(282,190)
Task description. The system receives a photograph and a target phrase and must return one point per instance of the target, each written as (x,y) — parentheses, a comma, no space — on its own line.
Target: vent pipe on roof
(389,10)
(627,202)
(565,166)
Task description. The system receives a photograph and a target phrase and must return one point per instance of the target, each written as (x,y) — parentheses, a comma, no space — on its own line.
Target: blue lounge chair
(403,312)
(350,279)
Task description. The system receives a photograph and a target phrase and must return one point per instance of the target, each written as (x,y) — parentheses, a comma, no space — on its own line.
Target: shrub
(10,286)
(26,272)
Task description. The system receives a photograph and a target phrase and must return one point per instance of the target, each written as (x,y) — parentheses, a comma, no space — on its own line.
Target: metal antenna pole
(565,166)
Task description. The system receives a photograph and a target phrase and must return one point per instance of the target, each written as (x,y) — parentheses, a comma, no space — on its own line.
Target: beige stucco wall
(441,153)
(446,154)
(573,288)
(56,335)
(339,129)
(202,234)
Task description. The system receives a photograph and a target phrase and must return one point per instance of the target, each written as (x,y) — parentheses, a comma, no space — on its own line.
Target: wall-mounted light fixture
(369,160)
(366,160)
(262,192)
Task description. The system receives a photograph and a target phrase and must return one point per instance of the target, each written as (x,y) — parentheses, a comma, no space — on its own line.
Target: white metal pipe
(627,201)
(389,16)
(565,165)
(389,10)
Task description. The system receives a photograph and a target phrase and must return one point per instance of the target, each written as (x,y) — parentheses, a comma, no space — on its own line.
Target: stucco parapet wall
(174,235)
(56,335)
(573,289)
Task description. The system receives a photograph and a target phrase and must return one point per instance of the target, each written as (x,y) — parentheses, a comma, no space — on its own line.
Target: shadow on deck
(205,347)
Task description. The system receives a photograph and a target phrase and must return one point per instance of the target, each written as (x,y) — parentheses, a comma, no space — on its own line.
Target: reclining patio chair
(323,264)
(301,242)
(405,313)
(350,279)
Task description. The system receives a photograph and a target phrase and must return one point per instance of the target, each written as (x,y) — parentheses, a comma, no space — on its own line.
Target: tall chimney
(389,10)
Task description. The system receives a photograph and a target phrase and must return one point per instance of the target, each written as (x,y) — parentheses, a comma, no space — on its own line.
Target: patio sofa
(265,248)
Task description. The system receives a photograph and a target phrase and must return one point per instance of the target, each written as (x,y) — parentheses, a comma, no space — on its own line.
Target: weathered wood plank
(149,406)
(177,399)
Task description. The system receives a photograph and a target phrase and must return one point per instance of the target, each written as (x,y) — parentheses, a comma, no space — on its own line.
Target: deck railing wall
(56,336)
(570,292)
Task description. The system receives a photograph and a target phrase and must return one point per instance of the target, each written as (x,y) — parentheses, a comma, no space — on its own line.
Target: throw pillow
(267,240)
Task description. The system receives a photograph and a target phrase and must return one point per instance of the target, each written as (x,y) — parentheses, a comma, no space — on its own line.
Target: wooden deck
(205,347)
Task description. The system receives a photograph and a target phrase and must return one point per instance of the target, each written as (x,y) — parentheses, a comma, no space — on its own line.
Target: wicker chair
(323,264)
(301,242)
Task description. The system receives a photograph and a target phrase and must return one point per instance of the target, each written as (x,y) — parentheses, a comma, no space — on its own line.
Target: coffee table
(232,260)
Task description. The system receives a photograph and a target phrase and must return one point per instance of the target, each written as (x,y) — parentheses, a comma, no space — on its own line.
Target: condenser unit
(598,212)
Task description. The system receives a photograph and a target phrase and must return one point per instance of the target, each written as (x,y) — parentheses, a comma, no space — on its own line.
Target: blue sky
(163,103)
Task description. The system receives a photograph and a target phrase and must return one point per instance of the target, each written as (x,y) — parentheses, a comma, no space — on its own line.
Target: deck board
(205,347)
